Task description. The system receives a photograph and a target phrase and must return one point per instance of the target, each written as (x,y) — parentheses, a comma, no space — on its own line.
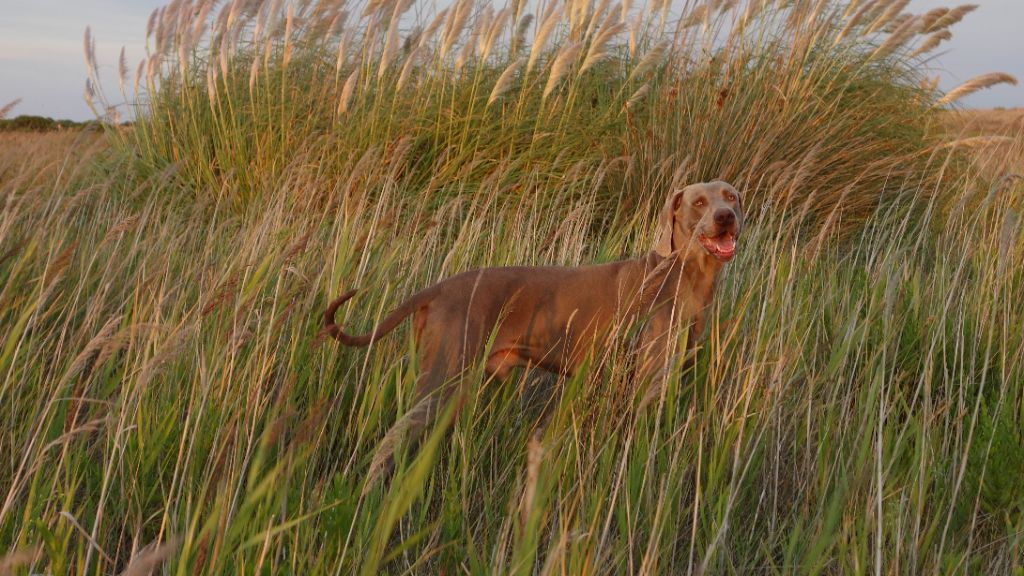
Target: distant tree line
(29,123)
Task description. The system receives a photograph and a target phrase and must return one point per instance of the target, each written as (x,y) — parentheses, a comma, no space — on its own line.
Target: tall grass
(854,406)
(754,93)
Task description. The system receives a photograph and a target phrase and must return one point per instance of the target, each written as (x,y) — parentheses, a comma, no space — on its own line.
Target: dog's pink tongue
(725,246)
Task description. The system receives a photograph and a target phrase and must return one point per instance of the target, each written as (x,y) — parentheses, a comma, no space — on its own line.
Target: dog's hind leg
(442,361)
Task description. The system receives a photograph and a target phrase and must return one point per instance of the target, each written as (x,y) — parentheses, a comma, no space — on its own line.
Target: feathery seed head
(974,84)
(561,66)
(505,80)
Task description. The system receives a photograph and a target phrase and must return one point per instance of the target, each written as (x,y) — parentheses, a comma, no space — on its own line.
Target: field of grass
(856,403)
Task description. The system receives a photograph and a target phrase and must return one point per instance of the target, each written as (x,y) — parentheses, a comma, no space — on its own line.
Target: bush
(808,109)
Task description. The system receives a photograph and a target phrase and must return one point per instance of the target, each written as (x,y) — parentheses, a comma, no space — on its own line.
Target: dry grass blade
(93,544)
(979,141)
(91,349)
(19,558)
(975,84)
(534,456)
(150,557)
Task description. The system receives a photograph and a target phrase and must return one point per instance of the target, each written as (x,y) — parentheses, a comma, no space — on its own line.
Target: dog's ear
(740,211)
(664,243)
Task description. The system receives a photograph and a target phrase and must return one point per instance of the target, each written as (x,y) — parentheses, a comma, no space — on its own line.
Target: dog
(550,317)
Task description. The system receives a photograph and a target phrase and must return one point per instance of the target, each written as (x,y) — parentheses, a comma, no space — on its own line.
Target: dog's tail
(386,325)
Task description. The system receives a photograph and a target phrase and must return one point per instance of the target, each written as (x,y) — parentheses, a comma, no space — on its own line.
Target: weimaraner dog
(551,316)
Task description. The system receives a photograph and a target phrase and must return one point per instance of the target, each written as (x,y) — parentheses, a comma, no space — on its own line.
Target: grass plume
(975,84)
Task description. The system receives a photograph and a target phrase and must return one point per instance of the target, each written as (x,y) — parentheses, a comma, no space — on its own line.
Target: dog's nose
(724,217)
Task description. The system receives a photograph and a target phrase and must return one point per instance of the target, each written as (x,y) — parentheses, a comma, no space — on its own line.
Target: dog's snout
(725,217)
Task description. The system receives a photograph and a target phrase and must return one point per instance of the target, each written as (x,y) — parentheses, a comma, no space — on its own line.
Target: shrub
(809,107)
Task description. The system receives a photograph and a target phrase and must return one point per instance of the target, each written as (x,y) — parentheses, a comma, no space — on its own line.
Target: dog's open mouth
(722,246)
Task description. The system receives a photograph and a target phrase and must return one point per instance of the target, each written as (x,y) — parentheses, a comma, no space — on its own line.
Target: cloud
(41,59)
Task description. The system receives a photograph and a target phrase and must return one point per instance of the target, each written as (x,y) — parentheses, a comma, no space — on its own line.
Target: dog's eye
(699,203)
(730,197)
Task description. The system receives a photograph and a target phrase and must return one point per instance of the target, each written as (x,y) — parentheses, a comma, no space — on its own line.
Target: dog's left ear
(664,243)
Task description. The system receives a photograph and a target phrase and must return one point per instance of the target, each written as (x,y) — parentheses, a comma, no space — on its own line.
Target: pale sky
(42,62)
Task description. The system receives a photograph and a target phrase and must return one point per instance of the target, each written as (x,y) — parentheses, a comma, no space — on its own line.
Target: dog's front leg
(654,354)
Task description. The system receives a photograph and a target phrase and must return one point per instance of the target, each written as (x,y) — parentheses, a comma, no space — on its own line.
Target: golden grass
(855,402)
(1001,156)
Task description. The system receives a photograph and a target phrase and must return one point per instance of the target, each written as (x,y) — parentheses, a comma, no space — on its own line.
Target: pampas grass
(931,42)
(638,96)
(5,110)
(887,11)
(410,62)
(975,84)
(560,67)
(347,91)
(951,17)
(929,18)
(454,25)
(504,83)
(651,60)
(856,19)
(600,44)
(161,292)
(543,33)
(910,26)
(980,141)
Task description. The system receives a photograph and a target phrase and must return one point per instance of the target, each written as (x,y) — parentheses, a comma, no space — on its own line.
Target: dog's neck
(695,273)
(701,273)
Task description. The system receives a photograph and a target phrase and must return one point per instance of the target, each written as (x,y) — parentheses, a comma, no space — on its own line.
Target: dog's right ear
(664,243)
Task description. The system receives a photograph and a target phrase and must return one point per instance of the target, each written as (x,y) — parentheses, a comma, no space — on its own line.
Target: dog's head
(700,219)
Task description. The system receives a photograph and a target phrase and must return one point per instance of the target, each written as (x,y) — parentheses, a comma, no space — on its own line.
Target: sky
(42,62)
